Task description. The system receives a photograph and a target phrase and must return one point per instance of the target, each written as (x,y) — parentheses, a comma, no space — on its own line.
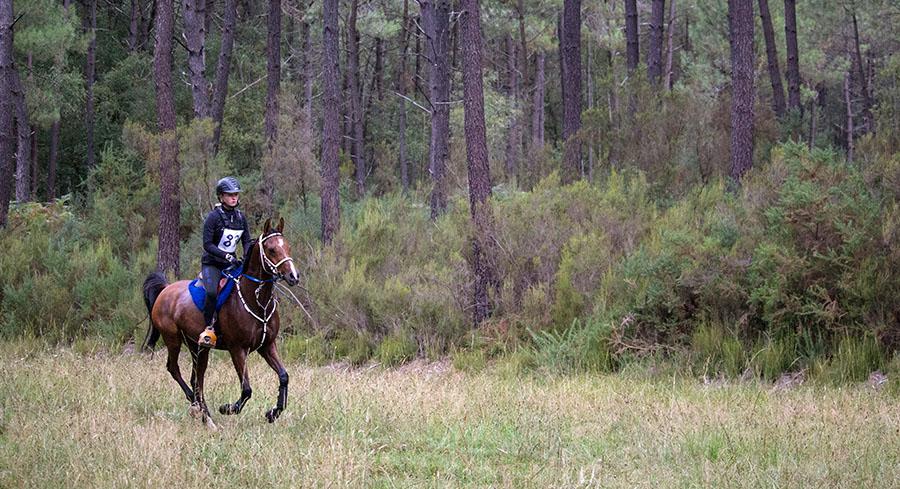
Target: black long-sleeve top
(221,231)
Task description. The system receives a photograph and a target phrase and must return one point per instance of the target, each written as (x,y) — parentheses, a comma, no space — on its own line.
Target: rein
(270,268)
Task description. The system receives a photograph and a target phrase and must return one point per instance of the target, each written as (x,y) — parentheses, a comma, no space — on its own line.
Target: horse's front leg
(201,360)
(239,358)
(271,356)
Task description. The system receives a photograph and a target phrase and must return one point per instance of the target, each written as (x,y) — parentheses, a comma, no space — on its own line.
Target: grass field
(108,420)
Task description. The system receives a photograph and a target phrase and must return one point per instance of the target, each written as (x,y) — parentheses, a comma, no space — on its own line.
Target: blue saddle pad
(198,293)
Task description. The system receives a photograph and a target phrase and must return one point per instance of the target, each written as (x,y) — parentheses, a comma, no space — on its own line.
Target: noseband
(268,265)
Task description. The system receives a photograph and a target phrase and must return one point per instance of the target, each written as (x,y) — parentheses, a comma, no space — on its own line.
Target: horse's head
(275,253)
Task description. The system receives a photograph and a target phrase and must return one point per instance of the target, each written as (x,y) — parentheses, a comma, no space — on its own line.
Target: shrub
(395,350)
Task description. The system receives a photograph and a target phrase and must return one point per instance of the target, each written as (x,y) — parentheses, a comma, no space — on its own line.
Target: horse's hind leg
(271,356)
(175,371)
(239,358)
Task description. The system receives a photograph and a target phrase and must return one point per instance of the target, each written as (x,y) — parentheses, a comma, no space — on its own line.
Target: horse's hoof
(209,423)
(272,415)
(195,410)
(227,409)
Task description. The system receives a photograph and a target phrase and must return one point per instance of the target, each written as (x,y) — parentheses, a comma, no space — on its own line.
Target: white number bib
(230,238)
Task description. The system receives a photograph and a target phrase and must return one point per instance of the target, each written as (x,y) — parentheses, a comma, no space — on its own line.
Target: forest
(563,185)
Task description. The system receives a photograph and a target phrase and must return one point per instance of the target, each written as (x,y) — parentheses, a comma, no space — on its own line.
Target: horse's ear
(280,224)
(267,226)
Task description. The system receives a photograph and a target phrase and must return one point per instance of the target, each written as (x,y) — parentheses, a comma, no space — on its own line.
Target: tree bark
(740,16)
(670,51)
(654,54)
(868,103)
(195,41)
(331,131)
(476,156)
(134,25)
(23,143)
(379,69)
(53,160)
(308,77)
(631,35)
(167,257)
(849,128)
(778,104)
(402,88)
(7,107)
(571,81)
(436,14)
(90,27)
(793,56)
(146,24)
(273,69)
(223,69)
(513,139)
(358,151)
(537,111)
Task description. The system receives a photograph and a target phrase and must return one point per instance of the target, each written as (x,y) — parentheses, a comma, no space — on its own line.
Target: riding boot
(211,277)
(208,336)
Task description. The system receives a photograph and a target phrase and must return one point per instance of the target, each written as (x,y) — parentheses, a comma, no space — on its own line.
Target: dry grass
(72,420)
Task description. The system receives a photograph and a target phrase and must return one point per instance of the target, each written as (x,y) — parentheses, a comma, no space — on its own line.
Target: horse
(248,321)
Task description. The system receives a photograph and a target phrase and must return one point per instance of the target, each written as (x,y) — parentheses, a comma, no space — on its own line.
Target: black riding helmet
(228,185)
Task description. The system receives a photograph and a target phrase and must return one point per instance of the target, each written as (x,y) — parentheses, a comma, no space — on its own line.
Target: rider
(224,226)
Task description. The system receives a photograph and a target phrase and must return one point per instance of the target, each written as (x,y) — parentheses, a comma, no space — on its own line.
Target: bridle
(268,266)
(271,268)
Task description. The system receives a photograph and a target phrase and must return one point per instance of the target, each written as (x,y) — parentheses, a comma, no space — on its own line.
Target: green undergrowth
(796,271)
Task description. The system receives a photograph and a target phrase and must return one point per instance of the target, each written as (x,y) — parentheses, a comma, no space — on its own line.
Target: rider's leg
(211,276)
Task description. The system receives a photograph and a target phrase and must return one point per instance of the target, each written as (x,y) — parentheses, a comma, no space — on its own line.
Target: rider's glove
(231,258)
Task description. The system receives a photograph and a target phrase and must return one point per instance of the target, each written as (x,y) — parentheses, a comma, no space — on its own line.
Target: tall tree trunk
(7,107)
(476,156)
(848,103)
(90,27)
(813,117)
(670,51)
(223,69)
(308,77)
(147,24)
(134,25)
(571,80)
(654,54)
(331,130)
(53,160)
(167,257)
(863,79)
(436,14)
(402,88)
(195,41)
(793,55)
(358,151)
(740,16)
(589,76)
(273,87)
(418,71)
(23,143)
(273,69)
(379,69)
(537,111)
(631,35)
(778,104)
(513,139)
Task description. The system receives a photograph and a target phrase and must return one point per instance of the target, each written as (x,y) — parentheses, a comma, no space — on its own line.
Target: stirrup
(207,337)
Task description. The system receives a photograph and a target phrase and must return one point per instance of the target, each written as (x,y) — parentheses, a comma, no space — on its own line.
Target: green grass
(93,419)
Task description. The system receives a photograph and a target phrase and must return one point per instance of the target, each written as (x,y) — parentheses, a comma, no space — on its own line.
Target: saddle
(226,286)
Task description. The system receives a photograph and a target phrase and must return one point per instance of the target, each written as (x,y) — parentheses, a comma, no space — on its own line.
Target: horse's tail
(153,286)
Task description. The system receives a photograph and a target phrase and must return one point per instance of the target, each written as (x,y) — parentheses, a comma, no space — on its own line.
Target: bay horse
(248,321)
